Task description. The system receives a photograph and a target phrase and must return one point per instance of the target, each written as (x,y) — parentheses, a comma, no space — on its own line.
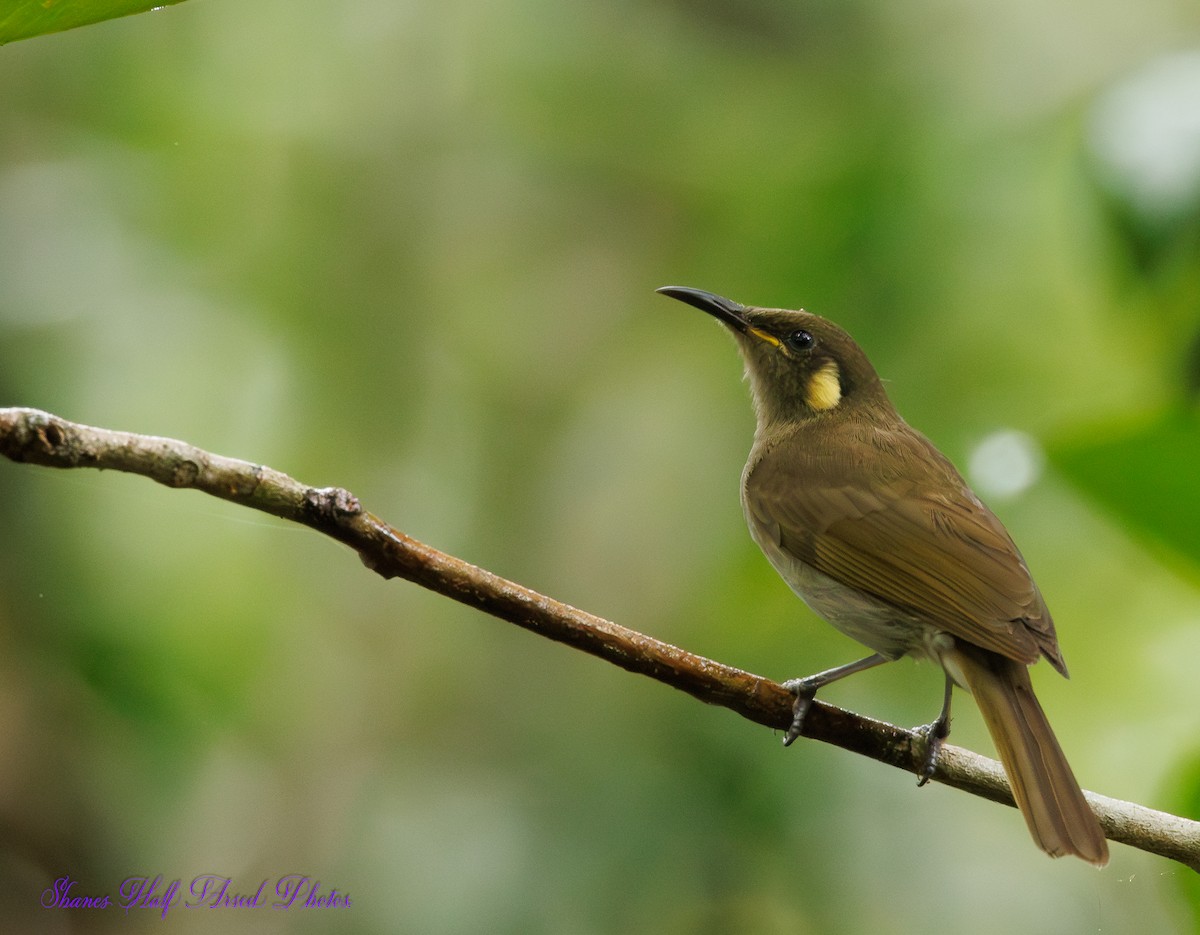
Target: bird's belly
(884,628)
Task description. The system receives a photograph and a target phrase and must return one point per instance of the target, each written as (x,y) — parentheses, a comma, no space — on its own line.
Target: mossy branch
(34,437)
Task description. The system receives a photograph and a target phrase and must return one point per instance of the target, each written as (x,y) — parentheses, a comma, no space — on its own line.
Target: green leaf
(1147,476)
(24,19)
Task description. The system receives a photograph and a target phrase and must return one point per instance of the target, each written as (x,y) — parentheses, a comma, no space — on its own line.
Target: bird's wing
(931,549)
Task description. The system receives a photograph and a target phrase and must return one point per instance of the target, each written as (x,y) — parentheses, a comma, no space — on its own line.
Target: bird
(878,533)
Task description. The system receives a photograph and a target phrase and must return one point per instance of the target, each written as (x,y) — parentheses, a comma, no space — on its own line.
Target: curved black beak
(726,310)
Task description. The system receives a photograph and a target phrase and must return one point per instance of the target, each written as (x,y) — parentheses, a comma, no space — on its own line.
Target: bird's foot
(804,691)
(934,735)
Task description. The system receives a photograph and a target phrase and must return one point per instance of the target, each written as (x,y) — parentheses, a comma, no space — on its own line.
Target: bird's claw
(804,693)
(934,735)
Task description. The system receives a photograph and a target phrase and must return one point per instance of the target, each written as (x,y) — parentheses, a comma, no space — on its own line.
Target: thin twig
(34,437)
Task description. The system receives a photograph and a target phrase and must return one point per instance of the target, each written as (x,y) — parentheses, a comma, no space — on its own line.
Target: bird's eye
(799,340)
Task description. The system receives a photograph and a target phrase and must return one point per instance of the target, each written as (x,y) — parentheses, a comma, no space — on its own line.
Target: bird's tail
(1046,791)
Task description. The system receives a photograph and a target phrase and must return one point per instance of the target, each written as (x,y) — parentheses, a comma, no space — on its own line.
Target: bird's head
(801,366)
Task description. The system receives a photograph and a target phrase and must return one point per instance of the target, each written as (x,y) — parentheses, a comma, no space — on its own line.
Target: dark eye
(799,340)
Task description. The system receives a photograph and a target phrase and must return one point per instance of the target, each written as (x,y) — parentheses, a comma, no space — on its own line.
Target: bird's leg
(935,733)
(806,688)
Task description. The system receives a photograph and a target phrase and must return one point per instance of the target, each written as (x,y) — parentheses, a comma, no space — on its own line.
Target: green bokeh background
(410,249)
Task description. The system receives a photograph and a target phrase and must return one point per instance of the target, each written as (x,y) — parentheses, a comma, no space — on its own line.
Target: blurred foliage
(24,19)
(410,249)
(1187,796)
(1146,476)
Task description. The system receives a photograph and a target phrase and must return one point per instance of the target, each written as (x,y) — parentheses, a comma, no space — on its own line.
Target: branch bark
(34,437)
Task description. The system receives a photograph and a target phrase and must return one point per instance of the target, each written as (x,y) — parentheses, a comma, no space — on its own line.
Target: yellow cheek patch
(824,390)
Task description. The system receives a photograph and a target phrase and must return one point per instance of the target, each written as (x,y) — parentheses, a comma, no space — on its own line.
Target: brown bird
(879,534)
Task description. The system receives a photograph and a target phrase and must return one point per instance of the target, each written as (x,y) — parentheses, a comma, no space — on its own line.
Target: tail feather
(1058,816)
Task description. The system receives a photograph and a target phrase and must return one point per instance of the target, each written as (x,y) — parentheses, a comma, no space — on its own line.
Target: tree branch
(35,437)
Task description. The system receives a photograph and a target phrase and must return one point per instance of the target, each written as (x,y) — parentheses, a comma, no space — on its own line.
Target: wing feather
(929,547)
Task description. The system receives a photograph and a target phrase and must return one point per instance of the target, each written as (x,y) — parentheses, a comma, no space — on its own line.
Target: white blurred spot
(1005,464)
(1145,135)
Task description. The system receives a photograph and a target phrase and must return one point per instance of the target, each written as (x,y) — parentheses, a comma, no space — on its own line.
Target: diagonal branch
(35,437)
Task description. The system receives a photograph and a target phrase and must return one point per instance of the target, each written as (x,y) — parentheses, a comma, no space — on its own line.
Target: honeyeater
(879,534)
